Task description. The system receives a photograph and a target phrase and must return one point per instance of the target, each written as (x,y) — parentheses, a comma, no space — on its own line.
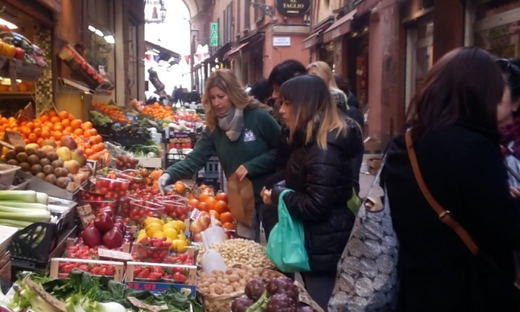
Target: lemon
(179,245)
(181,236)
(152,228)
(158,234)
(140,237)
(170,233)
(179,226)
(169,225)
(153,220)
(143,231)
(169,240)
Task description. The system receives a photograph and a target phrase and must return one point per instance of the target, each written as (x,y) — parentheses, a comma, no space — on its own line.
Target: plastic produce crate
(7,173)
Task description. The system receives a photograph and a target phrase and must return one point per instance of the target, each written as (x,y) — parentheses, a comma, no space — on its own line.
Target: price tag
(195,214)
(113,254)
(139,304)
(15,138)
(196,190)
(86,215)
(60,306)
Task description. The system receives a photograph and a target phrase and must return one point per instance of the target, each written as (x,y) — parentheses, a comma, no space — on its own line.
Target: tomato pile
(126,162)
(112,187)
(151,250)
(137,181)
(155,273)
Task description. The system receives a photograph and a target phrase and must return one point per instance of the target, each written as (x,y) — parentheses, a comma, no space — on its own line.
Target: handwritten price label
(196,190)
(113,254)
(86,215)
(139,304)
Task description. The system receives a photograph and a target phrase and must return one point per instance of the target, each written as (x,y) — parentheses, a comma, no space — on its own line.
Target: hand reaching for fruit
(162,182)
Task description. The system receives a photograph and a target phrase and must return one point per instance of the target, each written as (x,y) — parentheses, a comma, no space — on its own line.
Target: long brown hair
(464,86)
(312,105)
(226,80)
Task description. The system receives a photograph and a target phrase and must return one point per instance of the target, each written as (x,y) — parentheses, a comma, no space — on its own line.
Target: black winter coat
(322,181)
(463,169)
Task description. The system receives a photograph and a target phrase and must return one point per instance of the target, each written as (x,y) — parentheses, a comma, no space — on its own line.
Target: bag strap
(444,215)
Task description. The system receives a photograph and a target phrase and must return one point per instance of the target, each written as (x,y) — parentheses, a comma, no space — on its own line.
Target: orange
(33,138)
(96,139)
(65,123)
(30,125)
(76,124)
(226,217)
(78,132)
(65,132)
(179,187)
(52,113)
(69,129)
(228,225)
(71,117)
(215,213)
(57,135)
(55,119)
(39,142)
(44,118)
(211,202)
(87,125)
(87,133)
(37,131)
(58,127)
(88,152)
(63,115)
(26,130)
(45,134)
(203,197)
(27,141)
(102,145)
(94,131)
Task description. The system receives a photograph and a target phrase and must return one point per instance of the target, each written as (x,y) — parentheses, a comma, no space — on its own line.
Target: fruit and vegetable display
(106,231)
(82,291)
(158,112)
(79,65)
(21,208)
(129,134)
(112,111)
(58,167)
(157,238)
(241,251)
(278,294)
(99,120)
(14,45)
(233,280)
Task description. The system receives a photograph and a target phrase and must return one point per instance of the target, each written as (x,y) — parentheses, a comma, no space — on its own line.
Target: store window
(419,55)
(497,29)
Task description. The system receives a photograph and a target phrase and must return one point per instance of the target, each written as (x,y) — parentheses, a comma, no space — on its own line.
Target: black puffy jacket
(322,181)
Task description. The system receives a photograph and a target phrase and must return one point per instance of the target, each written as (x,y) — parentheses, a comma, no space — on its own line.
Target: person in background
(509,121)
(322,70)
(261,91)
(453,119)
(320,175)
(179,95)
(353,104)
(175,95)
(279,75)
(239,130)
(194,95)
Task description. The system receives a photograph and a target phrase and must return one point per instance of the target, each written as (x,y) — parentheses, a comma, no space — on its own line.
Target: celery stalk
(42,198)
(28,206)
(26,196)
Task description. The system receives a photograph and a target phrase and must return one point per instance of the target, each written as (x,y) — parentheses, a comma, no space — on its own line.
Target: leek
(29,206)
(19,214)
(26,196)
(42,198)
(15,223)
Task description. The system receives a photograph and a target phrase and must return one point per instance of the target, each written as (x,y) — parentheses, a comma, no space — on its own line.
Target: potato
(219,290)
(229,289)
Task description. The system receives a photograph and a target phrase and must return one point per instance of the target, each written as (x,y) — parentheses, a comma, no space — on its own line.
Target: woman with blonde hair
(239,129)
(322,70)
(319,171)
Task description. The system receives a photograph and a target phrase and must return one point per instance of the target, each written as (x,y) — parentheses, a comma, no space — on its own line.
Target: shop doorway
(419,55)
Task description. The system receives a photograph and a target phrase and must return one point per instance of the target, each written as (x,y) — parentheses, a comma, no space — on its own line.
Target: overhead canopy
(164,54)
(234,53)
(313,39)
(339,28)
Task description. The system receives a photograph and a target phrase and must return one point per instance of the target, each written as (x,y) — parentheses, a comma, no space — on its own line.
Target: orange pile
(215,205)
(112,111)
(158,111)
(53,126)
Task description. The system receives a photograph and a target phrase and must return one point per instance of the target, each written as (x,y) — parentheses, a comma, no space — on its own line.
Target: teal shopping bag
(286,244)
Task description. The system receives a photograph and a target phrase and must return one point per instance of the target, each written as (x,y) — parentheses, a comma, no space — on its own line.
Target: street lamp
(163,12)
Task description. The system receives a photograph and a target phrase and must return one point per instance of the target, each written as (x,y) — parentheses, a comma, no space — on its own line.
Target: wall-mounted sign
(293,7)
(213,34)
(281,41)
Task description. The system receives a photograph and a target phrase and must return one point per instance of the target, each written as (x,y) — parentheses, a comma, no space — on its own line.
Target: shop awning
(339,28)
(313,39)
(234,53)
(158,49)
(219,54)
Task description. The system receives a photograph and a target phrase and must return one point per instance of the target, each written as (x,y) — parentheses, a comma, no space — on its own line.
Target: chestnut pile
(279,294)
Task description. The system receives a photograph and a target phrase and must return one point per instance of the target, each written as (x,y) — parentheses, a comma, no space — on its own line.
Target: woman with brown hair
(239,129)
(322,70)
(319,172)
(453,122)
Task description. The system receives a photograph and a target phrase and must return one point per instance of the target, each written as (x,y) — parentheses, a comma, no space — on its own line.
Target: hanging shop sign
(214,34)
(293,7)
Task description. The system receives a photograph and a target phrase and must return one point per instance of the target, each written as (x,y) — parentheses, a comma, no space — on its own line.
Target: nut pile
(241,251)
(233,280)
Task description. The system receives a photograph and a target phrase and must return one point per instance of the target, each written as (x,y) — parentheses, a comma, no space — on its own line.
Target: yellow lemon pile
(172,230)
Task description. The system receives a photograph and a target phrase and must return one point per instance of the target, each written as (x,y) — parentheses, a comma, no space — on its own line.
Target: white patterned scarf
(232,123)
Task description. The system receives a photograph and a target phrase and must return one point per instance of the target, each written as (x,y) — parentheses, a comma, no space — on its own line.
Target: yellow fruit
(152,228)
(140,237)
(169,225)
(153,220)
(158,234)
(179,226)
(143,231)
(179,245)
(170,233)
(169,240)
(182,237)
